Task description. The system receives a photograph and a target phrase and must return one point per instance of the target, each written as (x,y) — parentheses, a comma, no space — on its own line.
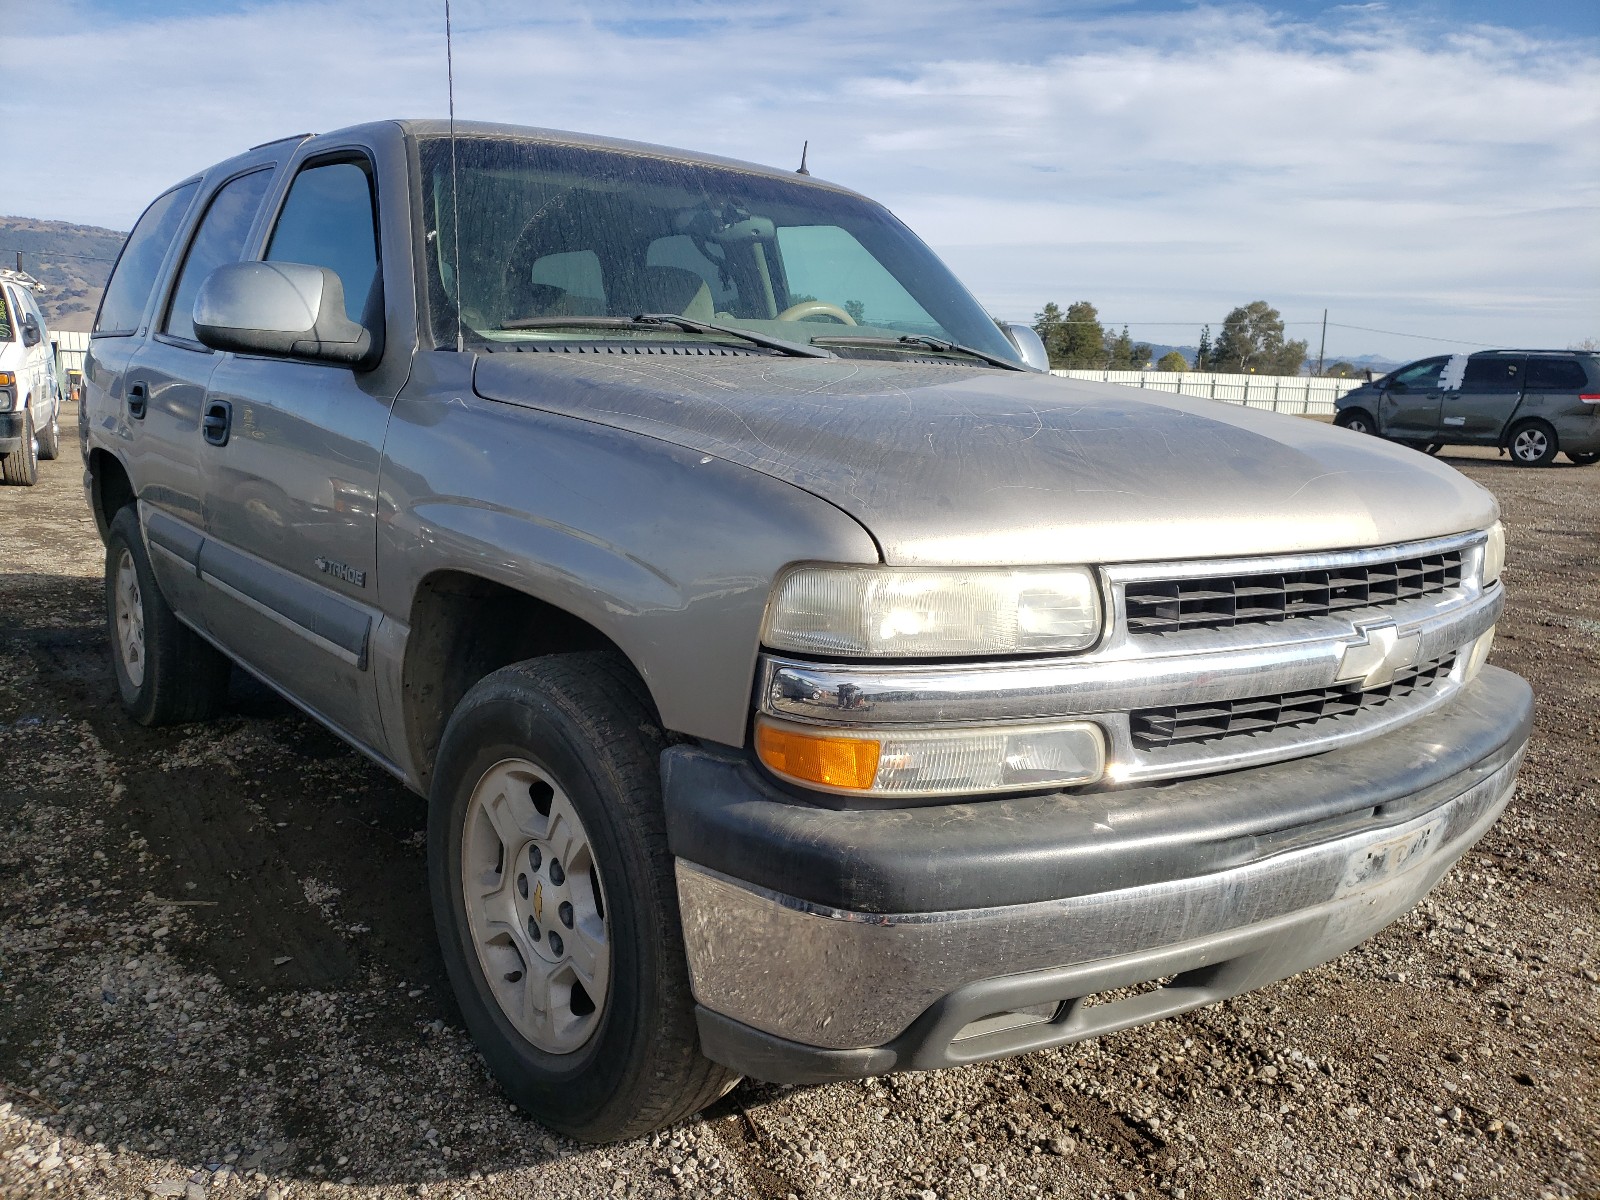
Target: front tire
(1356,420)
(21,466)
(166,673)
(1533,444)
(556,901)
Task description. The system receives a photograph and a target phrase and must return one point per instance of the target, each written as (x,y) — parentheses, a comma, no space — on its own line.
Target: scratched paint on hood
(948,464)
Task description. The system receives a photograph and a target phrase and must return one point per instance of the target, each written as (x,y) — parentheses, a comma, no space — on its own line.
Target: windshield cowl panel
(552,230)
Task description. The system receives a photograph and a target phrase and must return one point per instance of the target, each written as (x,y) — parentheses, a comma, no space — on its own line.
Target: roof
(487,130)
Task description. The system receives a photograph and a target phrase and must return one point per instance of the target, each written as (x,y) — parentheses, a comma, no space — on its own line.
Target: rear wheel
(166,673)
(21,466)
(1532,444)
(556,902)
(1584,458)
(1356,420)
(50,438)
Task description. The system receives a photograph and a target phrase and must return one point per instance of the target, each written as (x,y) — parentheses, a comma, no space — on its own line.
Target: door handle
(217,421)
(138,397)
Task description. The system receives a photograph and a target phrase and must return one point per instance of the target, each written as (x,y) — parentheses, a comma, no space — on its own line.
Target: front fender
(667,551)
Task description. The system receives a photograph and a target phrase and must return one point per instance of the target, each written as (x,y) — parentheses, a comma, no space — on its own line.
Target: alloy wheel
(130,619)
(1530,445)
(535,906)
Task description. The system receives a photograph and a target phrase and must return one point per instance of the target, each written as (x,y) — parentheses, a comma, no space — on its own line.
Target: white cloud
(1167,166)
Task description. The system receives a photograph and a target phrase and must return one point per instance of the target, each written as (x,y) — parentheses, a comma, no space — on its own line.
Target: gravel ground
(217,975)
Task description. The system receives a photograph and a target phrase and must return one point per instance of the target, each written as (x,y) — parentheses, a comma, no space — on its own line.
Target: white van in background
(30,397)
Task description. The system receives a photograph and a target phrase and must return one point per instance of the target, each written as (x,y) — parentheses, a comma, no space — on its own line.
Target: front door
(292,488)
(1410,405)
(1490,391)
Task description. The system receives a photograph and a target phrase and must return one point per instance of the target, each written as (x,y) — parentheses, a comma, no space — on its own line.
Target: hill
(71,261)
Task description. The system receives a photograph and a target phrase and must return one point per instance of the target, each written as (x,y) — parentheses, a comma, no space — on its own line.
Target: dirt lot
(217,974)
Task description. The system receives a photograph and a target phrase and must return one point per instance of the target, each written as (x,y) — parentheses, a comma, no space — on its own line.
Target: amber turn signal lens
(832,761)
(7,379)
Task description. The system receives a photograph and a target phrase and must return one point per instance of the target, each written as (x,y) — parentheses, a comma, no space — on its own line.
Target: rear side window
(218,240)
(1493,374)
(328,221)
(1555,375)
(135,273)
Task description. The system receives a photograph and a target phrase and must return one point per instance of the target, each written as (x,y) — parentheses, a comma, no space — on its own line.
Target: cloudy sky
(1429,173)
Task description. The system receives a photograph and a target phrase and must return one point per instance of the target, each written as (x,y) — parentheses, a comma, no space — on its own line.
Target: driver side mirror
(282,310)
(1397,387)
(30,330)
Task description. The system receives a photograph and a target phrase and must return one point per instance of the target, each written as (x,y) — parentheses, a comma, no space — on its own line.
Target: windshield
(554,232)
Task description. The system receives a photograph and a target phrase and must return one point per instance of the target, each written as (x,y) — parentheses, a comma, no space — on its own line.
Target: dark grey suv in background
(1532,403)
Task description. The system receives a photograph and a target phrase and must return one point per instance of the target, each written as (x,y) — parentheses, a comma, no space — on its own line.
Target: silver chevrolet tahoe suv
(803,684)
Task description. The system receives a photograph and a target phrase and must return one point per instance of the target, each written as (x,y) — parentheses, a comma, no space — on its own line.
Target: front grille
(1157,728)
(1170,605)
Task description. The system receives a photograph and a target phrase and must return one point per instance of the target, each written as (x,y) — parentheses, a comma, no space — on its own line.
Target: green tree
(1083,338)
(857,309)
(1075,338)
(1340,370)
(1252,340)
(1202,355)
(1172,361)
(1122,353)
(1049,323)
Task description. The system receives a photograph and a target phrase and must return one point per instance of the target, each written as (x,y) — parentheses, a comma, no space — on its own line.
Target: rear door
(166,385)
(1491,389)
(1409,407)
(292,493)
(120,323)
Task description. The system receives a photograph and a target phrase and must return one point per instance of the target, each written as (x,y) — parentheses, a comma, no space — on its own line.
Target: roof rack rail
(293,137)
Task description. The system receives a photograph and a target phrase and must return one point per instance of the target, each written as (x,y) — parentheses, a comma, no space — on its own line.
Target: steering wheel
(816,308)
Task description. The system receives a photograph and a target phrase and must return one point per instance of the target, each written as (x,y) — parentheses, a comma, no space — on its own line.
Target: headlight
(933,762)
(1494,553)
(889,612)
(8,390)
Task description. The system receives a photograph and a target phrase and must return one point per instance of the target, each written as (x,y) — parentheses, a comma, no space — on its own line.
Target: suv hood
(949,464)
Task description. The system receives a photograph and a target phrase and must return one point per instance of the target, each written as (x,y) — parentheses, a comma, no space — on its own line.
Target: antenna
(455,201)
(804,146)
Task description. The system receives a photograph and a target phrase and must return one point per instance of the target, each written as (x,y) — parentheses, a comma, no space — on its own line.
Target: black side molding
(335,621)
(174,537)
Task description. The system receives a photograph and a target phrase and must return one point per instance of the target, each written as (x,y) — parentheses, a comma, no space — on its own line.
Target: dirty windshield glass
(551,234)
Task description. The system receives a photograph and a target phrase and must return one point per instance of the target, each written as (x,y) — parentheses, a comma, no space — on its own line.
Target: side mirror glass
(1028,343)
(30,330)
(1397,387)
(282,310)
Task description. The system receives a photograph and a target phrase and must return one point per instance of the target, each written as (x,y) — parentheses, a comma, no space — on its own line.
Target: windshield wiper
(687,324)
(918,339)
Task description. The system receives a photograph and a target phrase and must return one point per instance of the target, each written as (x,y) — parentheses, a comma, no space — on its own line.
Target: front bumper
(826,944)
(11,427)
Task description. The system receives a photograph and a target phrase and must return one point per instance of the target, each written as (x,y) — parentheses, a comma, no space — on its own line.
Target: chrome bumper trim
(838,979)
(1106,689)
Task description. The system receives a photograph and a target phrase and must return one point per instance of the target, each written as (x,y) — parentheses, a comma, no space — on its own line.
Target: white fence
(1302,394)
(70,349)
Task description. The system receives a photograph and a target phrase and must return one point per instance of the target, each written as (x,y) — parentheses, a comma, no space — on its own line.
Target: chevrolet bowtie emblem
(1381,653)
(538,901)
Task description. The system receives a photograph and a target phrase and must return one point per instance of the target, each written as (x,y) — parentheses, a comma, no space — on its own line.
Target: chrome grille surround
(1129,672)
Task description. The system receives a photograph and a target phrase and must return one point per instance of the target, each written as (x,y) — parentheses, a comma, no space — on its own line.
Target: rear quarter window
(134,276)
(1556,375)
